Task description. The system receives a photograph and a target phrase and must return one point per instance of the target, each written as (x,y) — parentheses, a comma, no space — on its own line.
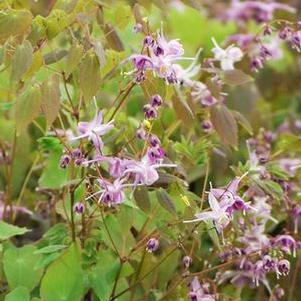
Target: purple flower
(145,171)
(254,238)
(94,129)
(162,57)
(290,166)
(152,245)
(14,209)
(256,10)
(218,214)
(295,41)
(286,243)
(228,197)
(111,194)
(199,292)
(227,57)
(283,267)
(296,214)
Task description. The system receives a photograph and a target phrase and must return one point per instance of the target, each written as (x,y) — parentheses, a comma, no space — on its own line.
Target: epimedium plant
(149,150)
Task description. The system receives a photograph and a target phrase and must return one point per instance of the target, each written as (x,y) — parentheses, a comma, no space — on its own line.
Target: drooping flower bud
(207,126)
(77,153)
(137,27)
(152,245)
(256,64)
(284,33)
(154,140)
(267,30)
(79,208)
(150,112)
(158,50)
(283,266)
(156,100)
(148,41)
(141,134)
(187,261)
(64,161)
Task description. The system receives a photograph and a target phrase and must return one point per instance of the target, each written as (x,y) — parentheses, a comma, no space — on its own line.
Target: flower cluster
(124,173)
(259,11)
(159,56)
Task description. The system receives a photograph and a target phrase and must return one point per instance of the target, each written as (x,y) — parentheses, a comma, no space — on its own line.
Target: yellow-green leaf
(89,75)
(50,99)
(224,123)
(21,61)
(73,58)
(28,107)
(14,22)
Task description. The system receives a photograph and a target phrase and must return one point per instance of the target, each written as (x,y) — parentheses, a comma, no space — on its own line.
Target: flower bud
(267,30)
(137,27)
(77,153)
(154,140)
(141,134)
(139,78)
(207,126)
(283,266)
(152,245)
(158,50)
(148,41)
(150,112)
(79,208)
(187,261)
(284,33)
(156,100)
(64,161)
(256,64)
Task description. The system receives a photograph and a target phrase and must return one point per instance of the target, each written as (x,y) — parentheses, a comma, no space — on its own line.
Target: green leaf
(38,29)
(224,123)
(18,266)
(113,38)
(213,233)
(243,121)
(53,177)
(7,231)
(165,201)
(89,76)
(50,249)
(182,108)
(45,260)
(14,22)
(235,77)
(28,107)
(56,22)
(21,60)
(18,294)
(50,99)
(142,198)
(63,279)
(49,143)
